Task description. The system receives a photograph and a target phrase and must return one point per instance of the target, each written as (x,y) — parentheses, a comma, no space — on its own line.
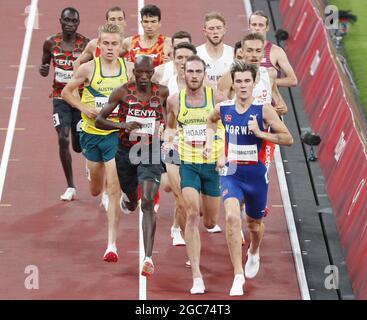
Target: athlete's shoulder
(162,89)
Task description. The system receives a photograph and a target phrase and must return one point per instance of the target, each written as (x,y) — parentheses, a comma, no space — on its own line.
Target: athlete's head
(238,51)
(179,37)
(194,69)
(69,21)
(181,53)
(259,22)
(110,41)
(143,70)
(243,78)
(253,48)
(151,20)
(214,27)
(116,15)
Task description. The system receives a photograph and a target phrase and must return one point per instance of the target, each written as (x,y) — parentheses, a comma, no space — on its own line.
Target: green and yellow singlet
(97,94)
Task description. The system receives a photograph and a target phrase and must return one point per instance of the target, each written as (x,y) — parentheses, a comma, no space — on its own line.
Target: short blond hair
(214,16)
(109,28)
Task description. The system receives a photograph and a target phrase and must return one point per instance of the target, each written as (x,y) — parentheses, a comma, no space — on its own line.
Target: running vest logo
(100,81)
(154,104)
(267,156)
(185,113)
(238,130)
(142,113)
(228,118)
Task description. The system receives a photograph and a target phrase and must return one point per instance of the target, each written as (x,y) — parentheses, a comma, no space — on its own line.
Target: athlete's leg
(75,130)
(148,189)
(97,173)
(114,194)
(256,228)
(210,209)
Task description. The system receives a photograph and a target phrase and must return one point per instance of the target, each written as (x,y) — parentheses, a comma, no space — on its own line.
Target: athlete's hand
(253,126)
(207,152)
(91,113)
(44,70)
(281,109)
(167,146)
(130,126)
(221,162)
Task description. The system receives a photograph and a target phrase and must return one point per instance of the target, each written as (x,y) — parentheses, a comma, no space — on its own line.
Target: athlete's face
(253,51)
(117,17)
(143,72)
(243,84)
(214,31)
(194,74)
(151,25)
(69,22)
(110,44)
(181,57)
(258,24)
(176,41)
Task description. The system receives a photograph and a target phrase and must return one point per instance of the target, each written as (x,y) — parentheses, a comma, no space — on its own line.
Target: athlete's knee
(147,201)
(63,140)
(95,191)
(254,225)
(209,222)
(193,219)
(233,219)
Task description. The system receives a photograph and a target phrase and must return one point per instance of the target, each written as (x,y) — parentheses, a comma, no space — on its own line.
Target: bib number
(242,152)
(63,76)
(195,133)
(148,125)
(56,119)
(101,102)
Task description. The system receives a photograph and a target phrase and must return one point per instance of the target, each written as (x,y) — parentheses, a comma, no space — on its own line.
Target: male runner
(274,56)
(114,15)
(217,55)
(142,106)
(100,77)
(190,109)
(152,43)
(245,172)
(165,71)
(63,49)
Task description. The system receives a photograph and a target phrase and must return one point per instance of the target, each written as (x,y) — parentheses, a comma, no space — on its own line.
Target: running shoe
(148,267)
(237,285)
(252,265)
(69,194)
(197,286)
(215,229)
(176,236)
(110,256)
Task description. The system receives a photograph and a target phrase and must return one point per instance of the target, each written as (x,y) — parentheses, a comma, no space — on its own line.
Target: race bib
(63,76)
(195,133)
(242,153)
(148,124)
(101,102)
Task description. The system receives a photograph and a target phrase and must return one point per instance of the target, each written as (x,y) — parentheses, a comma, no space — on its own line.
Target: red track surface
(66,241)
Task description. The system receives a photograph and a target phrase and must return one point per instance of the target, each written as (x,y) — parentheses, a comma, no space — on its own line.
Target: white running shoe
(69,194)
(197,286)
(252,265)
(215,229)
(176,236)
(105,200)
(237,286)
(123,206)
(188,264)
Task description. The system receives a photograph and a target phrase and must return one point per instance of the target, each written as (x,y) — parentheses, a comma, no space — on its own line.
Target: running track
(66,241)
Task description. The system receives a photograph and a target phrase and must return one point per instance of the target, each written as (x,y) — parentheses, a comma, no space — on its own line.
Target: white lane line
(140,28)
(17,95)
(297,255)
(142,279)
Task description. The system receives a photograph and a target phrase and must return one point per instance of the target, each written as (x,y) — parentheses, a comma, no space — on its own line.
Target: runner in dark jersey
(63,49)
(142,109)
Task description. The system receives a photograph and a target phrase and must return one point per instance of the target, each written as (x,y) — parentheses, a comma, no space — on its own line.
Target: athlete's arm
(171,123)
(167,50)
(290,79)
(44,68)
(87,54)
(158,73)
(115,98)
(126,44)
(281,133)
(224,87)
(129,70)
(211,129)
(280,105)
(81,77)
